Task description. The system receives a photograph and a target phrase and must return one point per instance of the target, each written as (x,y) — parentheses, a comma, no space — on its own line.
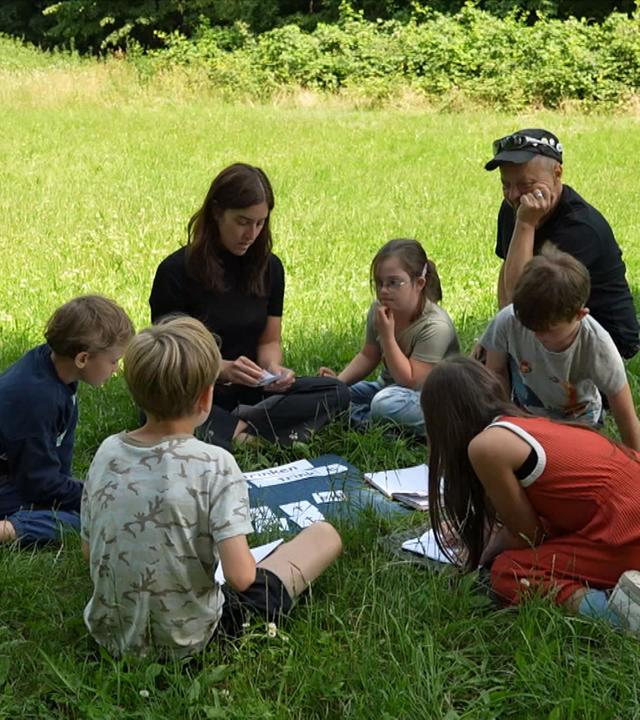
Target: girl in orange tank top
(551,506)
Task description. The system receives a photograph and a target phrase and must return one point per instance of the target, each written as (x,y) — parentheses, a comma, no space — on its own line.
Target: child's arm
(498,362)
(365,362)
(406,371)
(494,454)
(39,476)
(238,564)
(624,413)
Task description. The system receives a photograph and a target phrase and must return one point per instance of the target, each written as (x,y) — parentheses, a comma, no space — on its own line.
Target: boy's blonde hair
(168,365)
(88,323)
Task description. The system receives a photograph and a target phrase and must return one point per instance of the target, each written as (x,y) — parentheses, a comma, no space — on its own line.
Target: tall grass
(93,194)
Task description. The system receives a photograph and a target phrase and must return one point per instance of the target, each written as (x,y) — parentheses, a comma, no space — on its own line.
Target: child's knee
(7,532)
(388,403)
(326,536)
(396,403)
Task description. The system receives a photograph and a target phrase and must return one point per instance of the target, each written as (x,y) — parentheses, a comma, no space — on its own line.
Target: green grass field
(94,192)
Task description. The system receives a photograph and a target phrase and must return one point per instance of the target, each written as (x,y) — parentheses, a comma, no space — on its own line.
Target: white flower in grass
(144,694)
(272,630)
(525,582)
(293,435)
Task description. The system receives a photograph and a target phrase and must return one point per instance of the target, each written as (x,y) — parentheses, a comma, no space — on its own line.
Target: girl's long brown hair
(460,397)
(236,187)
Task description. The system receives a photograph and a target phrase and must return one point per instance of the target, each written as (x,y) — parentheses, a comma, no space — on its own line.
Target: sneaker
(625,600)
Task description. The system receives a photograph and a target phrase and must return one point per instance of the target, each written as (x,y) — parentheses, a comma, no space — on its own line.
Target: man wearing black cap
(537,207)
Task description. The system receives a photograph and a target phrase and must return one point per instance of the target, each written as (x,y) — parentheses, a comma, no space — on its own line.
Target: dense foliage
(473,55)
(470,58)
(93,25)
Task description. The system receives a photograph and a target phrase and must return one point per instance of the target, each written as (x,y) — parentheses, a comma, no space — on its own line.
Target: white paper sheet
(412,480)
(426,545)
(263,518)
(259,553)
(278,471)
(302,513)
(287,476)
(328,496)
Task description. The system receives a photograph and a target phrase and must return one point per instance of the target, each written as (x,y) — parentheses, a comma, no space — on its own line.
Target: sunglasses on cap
(548,146)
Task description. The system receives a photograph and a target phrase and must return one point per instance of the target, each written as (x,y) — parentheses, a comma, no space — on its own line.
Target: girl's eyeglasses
(392,284)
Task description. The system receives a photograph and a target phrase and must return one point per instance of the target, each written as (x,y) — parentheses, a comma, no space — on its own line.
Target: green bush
(502,62)
(104,24)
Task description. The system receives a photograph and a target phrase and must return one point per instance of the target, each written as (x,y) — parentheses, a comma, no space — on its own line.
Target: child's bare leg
(7,532)
(300,561)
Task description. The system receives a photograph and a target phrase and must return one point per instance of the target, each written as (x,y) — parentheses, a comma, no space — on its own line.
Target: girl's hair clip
(424,270)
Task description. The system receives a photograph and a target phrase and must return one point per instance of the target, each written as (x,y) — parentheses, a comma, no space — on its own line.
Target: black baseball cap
(524,145)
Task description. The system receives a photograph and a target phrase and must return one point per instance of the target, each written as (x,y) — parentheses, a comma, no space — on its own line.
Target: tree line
(98,25)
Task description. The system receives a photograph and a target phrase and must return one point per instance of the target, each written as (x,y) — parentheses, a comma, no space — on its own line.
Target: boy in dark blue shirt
(38,414)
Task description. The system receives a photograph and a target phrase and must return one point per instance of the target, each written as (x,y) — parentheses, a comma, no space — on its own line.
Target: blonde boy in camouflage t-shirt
(160,508)
(153,516)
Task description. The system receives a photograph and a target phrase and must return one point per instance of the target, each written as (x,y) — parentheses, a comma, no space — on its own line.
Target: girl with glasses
(407,331)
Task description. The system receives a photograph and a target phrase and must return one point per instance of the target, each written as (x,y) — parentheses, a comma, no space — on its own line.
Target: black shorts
(266,597)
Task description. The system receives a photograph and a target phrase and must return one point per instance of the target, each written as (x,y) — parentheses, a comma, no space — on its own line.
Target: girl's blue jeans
(372,401)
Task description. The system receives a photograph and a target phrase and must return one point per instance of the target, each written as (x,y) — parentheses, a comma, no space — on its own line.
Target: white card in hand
(268,378)
(302,513)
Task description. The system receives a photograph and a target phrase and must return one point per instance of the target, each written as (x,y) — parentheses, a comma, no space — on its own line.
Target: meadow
(96,186)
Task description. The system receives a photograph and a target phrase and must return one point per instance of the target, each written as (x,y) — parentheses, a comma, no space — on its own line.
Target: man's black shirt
(579,229)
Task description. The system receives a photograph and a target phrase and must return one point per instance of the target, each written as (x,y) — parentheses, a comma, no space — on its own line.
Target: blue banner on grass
(289,506)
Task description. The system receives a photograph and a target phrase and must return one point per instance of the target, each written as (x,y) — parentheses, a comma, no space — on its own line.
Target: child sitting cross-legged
(552,356)
(407,331)
(161,507)
(85,339)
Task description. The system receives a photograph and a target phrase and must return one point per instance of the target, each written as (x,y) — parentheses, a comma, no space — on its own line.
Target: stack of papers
(409,486)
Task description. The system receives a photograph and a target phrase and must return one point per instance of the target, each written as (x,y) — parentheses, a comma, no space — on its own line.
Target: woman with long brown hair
(228,277)
(554,507)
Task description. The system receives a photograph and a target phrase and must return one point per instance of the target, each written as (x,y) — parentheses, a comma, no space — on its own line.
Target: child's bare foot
(244,438)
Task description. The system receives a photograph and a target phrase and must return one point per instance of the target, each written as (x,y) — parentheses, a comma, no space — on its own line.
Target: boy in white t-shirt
(160,507)
(553,357)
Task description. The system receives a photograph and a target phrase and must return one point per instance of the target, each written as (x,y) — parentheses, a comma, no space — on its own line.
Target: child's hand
(287,378)
(385,322)
(327,372)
